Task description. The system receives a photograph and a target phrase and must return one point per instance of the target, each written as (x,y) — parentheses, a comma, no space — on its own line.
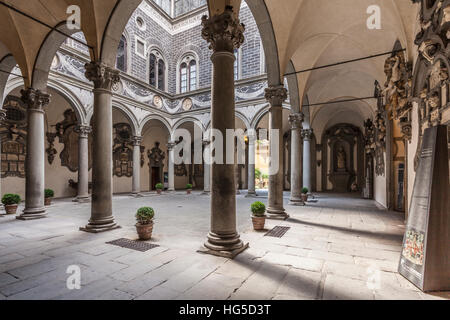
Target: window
(188,80)
(157,70)
(140,47)
(122,55)
(193,75)
(236,64)
(183,78)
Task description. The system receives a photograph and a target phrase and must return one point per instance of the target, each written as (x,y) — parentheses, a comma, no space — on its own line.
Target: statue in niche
(341,159)
(123,150)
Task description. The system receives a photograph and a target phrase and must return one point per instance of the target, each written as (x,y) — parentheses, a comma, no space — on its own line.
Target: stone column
(171,170)
(83,163)
(207,169)
(101,211)
(35,100)
(251,164)
(136,187)
(225,33)
(307,134)
(2,117)
(296,120)
(276,96)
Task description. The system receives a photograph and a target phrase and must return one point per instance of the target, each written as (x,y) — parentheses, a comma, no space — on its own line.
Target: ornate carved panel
(13,133)
(123,150)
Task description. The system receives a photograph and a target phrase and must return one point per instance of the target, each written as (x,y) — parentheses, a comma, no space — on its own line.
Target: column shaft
(35,159)
(101,209)
(136,181)
(207,168)
(171,169)
(276,96)
(83,163)
(296,158)
(224,33)
(307,158)
(251,166)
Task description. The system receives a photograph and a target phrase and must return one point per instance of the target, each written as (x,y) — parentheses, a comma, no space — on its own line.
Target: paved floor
(338,248)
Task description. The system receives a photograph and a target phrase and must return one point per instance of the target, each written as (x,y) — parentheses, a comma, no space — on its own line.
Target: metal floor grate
(277,232)
(133,244)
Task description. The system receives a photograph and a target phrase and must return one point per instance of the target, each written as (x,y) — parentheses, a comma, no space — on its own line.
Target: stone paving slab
(338,248)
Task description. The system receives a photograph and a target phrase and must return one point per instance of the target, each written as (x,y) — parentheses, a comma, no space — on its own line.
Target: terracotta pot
(189,191)
(159,191)
(144,231)
(304,197)
(48,201)
(258,222)
(11,208)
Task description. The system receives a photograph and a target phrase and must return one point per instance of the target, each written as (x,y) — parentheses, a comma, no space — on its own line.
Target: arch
(46,54)
(115,27)
(7,63)
(265,26)
(261,113)
(294,96)
(246,121)
(129,115)
(62,90)
(186,120)
(153,117)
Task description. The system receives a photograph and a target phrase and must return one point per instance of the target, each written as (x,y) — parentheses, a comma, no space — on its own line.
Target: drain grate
(277,232)
(132,244)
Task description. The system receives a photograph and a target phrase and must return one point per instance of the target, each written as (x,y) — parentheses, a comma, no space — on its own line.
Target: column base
(136,195)
(32,214)
(251,195)
(82,199)
(238,191)
(277,214)
(226,246)
(296,202)
(100,226)
(206,193)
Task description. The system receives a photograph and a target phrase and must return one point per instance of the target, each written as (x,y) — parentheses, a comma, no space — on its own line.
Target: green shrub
(10,199)
(189,186)
(159,186)
(49,193)
(258,174)
(305,190)
(258,209)
(145,215)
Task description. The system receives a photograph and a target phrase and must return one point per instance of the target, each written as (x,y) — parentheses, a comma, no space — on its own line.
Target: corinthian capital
(35,99)
(307,134)
(224,32)
(103,77)
(83,131)
(276,95)
(296,120)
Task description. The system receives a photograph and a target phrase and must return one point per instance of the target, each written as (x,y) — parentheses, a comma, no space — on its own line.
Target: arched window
(122,55)
(188,80)
(157,70)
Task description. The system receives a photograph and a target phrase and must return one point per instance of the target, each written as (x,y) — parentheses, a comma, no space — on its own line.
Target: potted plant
(144,225)
(305,194)
(11,202)
(258,215)
(159,188)
(189,188)
(49,194)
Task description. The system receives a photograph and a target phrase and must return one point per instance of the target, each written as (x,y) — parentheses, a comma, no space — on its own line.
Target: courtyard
(339,247)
